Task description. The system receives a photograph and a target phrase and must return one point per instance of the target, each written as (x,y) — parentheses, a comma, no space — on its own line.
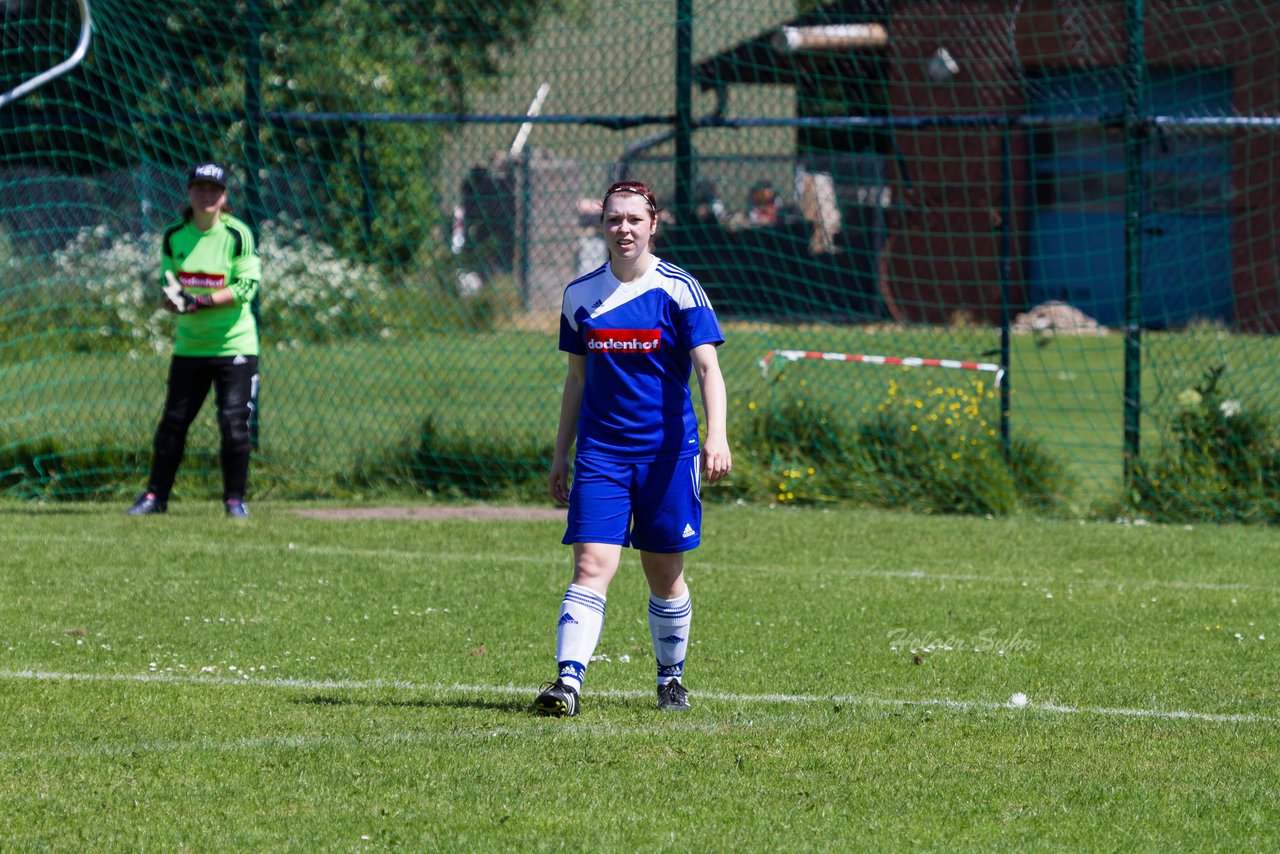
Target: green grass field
(182,683)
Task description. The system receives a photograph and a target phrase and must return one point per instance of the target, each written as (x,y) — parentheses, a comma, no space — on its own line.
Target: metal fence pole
(1134,139)
(253,113)
(1006,282)
(684,113)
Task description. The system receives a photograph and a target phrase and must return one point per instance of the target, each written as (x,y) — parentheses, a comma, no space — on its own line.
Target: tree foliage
(300,97)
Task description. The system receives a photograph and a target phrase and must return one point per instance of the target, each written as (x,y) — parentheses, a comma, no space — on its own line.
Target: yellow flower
(811,471)
(751,405)
(914,428)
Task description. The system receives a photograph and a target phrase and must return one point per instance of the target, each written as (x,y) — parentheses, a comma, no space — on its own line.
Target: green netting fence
(970,256)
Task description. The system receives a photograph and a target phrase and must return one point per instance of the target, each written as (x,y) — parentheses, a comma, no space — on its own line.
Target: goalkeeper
(211,262)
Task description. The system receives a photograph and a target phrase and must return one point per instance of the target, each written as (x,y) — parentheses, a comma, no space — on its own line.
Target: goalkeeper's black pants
(235,383)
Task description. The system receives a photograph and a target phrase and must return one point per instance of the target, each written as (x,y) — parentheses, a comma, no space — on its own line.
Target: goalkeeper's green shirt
(224,257)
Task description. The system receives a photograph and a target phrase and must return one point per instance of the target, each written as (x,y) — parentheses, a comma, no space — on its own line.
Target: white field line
(559,560)
(713,696)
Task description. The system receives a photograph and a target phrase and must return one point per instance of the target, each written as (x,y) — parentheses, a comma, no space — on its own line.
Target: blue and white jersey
(636,338)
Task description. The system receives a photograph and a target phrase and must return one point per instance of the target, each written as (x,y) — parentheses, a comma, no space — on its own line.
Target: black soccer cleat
(148,504)
(557,700)
(673,697)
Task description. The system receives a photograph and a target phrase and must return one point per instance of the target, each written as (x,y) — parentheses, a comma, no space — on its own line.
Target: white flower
(1190,397)
(1230,408)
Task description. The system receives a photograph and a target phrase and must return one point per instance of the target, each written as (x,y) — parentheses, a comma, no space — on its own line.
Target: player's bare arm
(570,403)
(716,458)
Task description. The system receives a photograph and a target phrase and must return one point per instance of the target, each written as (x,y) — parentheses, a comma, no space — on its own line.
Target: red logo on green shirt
(202,280)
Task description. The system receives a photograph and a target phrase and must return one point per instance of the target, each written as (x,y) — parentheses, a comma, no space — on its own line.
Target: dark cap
(211,172)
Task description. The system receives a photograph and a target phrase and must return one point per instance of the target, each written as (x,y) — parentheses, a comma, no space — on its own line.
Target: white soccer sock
(669,621)
(578,632)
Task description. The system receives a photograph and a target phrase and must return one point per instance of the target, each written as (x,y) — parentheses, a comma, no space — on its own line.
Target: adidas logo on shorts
(688,531)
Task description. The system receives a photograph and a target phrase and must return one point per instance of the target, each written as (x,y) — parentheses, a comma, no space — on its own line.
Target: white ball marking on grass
(1018,700)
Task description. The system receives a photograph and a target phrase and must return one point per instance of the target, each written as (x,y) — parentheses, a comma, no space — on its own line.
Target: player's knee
(234,424)
(595,569)
(176,420)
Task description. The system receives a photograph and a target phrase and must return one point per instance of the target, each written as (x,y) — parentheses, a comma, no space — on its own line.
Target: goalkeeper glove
(195,302)
(188,303)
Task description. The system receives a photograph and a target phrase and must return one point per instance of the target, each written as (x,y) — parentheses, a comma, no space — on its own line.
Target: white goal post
(77,56)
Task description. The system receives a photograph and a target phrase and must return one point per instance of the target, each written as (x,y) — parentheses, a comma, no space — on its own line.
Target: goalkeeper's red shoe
(557,700)
(148,503)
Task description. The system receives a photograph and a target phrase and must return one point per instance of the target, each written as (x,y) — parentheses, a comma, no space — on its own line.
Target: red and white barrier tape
(908,361)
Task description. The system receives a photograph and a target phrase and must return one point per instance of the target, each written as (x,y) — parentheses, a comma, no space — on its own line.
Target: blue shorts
(651,506)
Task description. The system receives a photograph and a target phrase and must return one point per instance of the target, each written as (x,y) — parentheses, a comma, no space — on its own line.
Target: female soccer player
(633,329)
(215,260)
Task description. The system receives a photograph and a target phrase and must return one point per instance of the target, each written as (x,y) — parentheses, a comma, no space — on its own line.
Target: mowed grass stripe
(364,741)
(559,557)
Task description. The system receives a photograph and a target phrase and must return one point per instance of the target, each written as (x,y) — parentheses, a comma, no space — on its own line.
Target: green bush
(787,448)
(43,469)
(1220,462)
(935,453)
(477,468)
(101,293)
(312,295)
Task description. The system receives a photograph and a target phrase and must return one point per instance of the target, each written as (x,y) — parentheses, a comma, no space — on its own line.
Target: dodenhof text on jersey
(202,280)
(624,340)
